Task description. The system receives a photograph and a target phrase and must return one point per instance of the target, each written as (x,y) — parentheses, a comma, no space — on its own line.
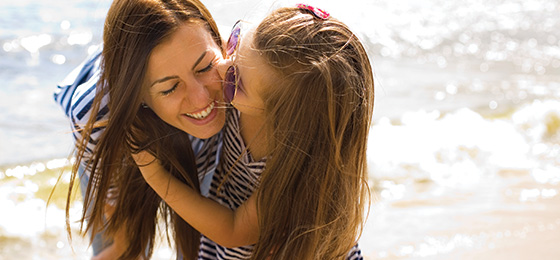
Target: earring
(144,105)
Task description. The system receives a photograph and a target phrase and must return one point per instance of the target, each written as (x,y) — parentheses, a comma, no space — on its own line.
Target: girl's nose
(222,67)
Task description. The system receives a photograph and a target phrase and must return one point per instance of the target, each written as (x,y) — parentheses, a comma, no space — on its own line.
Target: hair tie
(319,13)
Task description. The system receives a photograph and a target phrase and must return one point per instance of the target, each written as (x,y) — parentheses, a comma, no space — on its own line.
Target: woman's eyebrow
(164,79)
(199,59)
(175,76)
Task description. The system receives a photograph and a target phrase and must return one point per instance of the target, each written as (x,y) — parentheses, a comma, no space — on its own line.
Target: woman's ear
(143,104)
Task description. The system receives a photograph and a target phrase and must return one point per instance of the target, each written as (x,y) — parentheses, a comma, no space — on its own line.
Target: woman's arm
(120,241)
(224,226)
(116,249)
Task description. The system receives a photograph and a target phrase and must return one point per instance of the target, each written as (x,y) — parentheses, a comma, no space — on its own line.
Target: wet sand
(508,217)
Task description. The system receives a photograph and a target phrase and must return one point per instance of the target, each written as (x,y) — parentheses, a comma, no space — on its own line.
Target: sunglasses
(232,81)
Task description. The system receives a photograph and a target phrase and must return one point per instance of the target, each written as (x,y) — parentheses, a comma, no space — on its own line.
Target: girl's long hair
(132,29)
(313,193)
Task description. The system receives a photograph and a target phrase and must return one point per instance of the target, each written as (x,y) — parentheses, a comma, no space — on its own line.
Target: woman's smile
(203,113)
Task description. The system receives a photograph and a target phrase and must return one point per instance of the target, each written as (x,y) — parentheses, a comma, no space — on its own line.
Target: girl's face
(253,73)
(183,84)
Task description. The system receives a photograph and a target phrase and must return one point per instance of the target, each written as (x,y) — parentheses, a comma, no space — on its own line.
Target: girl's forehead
(255,71)
(246,53)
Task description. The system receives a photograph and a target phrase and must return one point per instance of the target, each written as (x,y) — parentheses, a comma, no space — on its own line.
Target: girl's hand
(149,166)
(143,158)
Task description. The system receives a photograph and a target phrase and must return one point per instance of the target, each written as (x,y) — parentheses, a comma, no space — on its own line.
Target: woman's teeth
(202,114)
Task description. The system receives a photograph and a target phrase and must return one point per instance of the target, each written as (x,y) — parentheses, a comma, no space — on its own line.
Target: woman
(157,84)
(302,85)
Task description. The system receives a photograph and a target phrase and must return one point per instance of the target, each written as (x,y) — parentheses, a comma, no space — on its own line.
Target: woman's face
(183,84)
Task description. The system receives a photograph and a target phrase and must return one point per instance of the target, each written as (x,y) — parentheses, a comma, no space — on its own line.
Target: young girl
(302,86)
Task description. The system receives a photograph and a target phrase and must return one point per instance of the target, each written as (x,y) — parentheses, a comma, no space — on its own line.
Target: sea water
(463,154)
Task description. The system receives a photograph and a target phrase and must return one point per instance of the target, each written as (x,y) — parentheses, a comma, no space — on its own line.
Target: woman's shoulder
(76,92)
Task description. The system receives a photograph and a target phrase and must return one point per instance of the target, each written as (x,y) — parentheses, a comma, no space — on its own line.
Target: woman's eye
(207,68)
(171,90)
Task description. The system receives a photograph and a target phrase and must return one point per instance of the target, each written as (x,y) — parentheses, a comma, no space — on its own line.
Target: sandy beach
(489,223)
(508,216)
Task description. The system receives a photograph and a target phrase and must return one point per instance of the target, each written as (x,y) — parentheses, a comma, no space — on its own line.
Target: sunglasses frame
(231,79)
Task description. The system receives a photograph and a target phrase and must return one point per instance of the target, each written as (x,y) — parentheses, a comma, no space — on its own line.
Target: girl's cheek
(222,65)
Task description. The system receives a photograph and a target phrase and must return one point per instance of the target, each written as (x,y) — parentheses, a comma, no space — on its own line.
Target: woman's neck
(254,135)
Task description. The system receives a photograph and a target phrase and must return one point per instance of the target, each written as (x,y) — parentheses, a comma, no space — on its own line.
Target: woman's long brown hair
(132,29)
(313,193)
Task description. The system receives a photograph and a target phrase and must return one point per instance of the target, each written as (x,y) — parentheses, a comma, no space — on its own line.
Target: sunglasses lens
(233,40)
(229,84)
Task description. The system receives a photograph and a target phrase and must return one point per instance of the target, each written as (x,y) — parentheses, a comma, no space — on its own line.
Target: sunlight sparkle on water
(449,149)
(58,163)
(529,195)
(33,43)
(548,175)
(493,104)
(8,46)
(22,171)
(65,25)
(82,37)
(58,59)
(392,191)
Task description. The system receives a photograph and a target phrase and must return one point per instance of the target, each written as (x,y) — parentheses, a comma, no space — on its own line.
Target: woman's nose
(197,95)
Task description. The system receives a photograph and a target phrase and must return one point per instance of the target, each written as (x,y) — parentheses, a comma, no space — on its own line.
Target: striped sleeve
(64,93)
(355,253)
(75,96)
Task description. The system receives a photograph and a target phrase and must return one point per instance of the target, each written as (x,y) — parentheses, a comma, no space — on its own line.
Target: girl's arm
(219,223)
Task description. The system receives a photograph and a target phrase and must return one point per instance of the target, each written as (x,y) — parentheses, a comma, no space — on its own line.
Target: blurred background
(464,152)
